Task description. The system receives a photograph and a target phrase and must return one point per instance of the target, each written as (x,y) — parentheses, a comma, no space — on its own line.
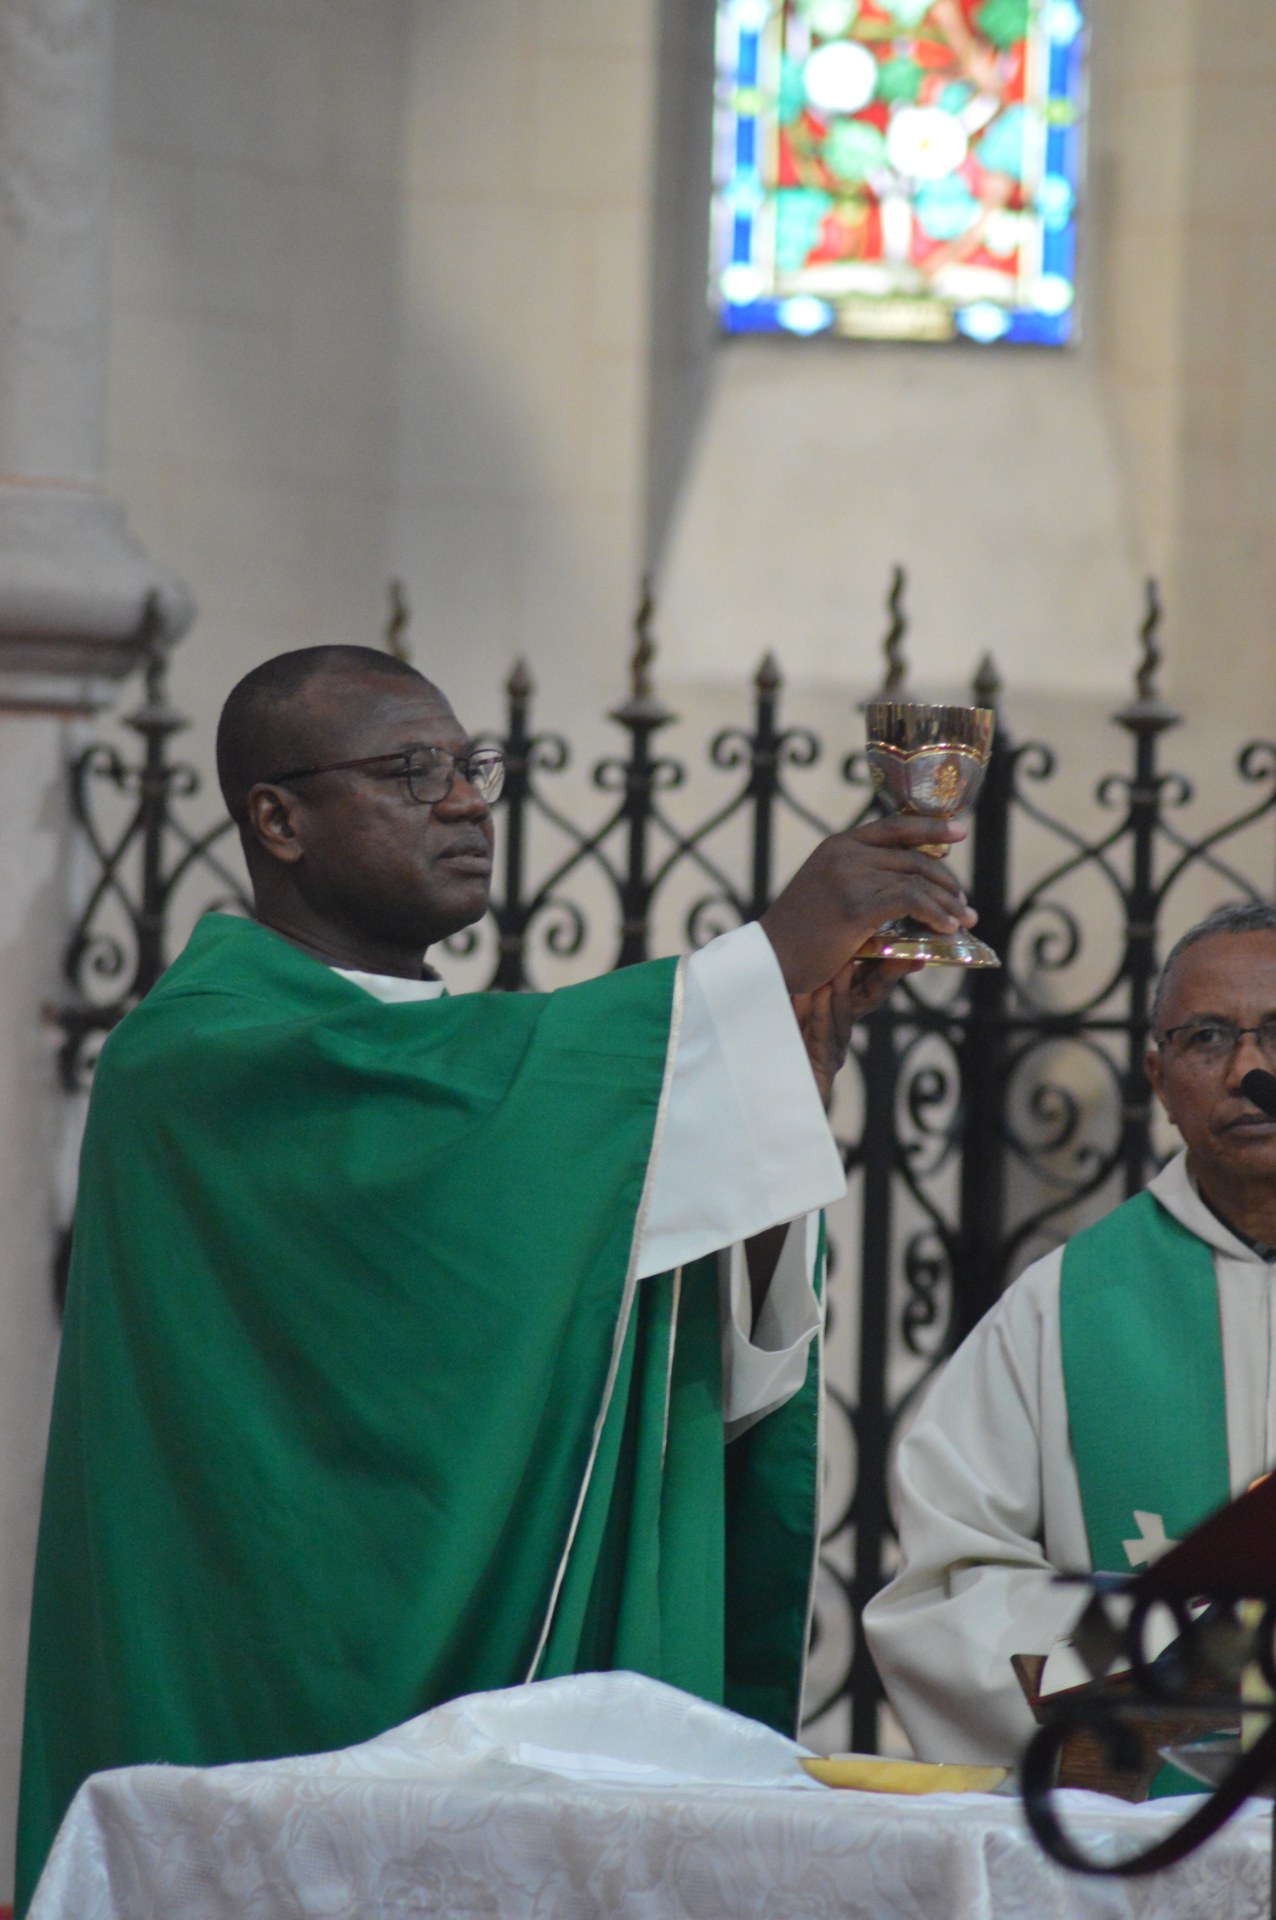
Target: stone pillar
(75,589)
(33,1119)
(73,580)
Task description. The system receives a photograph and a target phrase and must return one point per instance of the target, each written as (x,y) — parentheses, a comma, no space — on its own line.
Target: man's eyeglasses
(429,771)
(1216,1040)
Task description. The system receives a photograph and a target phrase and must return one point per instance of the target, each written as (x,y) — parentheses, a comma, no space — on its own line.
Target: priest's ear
(270,823)
(1154,1067)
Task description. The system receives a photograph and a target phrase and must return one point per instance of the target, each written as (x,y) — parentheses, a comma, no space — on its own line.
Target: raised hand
(855,882)
(827,1015)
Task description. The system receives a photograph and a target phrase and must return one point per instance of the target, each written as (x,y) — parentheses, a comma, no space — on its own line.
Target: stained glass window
(898,169)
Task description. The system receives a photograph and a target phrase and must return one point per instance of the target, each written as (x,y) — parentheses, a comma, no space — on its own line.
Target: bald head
(290,712)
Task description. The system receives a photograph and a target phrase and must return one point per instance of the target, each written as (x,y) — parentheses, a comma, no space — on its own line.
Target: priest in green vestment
(398,1362)
(1120,1391)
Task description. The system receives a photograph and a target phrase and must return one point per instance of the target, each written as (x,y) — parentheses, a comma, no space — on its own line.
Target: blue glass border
(743,289)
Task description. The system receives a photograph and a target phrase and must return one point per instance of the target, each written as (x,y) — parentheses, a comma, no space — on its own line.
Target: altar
(602,1797)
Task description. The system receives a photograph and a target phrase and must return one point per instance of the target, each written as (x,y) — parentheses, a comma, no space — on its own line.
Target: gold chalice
(928,760)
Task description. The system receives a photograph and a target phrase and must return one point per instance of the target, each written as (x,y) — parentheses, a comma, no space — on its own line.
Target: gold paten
(866,1773)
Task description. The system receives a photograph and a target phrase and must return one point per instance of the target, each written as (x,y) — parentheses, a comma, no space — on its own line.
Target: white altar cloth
(602,1797)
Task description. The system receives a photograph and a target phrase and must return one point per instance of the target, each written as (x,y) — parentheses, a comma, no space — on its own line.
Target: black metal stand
(1213,1649)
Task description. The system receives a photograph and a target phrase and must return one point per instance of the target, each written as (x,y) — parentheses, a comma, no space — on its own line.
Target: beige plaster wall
(996,475)
(255,271)
(521,363)
(389,285)
(1226,531)
(1188,284)
(993,477)
(1139,175)
(381,309)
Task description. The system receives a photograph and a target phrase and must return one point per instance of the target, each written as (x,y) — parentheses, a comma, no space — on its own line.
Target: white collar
(391,988)
(1174,1188)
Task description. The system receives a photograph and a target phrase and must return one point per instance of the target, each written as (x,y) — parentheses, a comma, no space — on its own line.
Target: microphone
(1260,1087)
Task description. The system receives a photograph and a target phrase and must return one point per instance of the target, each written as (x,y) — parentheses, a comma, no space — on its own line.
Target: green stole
(359,1405)
(1143,1376)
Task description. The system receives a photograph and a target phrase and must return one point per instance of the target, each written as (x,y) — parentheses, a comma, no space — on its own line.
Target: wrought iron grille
(985,1116)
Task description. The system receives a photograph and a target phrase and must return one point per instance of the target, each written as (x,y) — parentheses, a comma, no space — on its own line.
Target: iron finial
(155,715)
(644,645)
(1145,678)
(768,678)
(520,686)
(986,686)
(893,644)
(1147,712)
(396,626)
(643,708)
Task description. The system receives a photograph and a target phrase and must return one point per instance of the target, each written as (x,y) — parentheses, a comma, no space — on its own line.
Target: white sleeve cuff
(746,1141)
(763,1369)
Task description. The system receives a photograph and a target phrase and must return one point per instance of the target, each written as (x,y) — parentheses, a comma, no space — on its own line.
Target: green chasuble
(1143,1377)
(359,1406)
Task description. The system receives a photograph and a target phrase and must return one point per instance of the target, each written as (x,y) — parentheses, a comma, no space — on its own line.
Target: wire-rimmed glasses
(430,772)
(1215,1040)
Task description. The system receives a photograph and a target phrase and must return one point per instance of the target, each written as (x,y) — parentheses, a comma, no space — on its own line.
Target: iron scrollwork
(120,943)
(982,1118)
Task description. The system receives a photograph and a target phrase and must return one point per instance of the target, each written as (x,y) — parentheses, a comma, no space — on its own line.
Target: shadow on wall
(682,331)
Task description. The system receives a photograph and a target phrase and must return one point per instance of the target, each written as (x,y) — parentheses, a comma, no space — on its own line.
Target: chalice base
(910,940)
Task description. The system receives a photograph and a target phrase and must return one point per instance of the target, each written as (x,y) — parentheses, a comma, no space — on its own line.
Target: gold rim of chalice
(907,727)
